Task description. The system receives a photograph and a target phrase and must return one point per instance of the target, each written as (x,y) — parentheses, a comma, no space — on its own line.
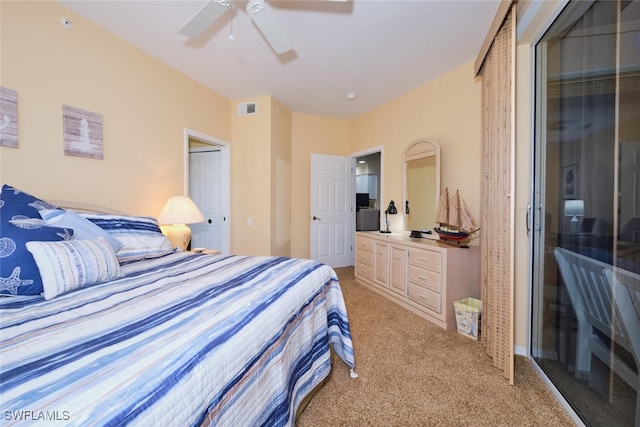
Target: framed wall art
(8,117)
(82,133)
(570,181)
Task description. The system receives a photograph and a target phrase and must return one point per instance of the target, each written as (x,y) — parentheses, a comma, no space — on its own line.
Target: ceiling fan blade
(211,11)
(266,21)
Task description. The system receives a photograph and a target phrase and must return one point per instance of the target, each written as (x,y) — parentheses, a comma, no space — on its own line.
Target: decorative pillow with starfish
(19,274)
(17,204)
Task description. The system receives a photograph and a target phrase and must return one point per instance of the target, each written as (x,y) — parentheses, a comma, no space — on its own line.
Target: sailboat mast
(458,217)
(446,208)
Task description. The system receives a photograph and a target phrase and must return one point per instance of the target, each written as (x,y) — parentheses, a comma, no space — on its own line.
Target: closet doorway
(207,182)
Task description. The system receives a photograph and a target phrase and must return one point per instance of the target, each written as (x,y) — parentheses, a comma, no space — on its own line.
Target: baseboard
(520,351)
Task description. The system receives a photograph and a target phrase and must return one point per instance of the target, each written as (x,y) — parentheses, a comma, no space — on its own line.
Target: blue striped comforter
(186,339)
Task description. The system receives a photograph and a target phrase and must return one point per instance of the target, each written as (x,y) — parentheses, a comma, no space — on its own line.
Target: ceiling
(375,49)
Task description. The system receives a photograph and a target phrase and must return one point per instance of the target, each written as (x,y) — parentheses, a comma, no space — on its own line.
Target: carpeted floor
(412,373)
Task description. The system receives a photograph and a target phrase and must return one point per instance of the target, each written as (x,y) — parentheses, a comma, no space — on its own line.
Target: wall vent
(247,108)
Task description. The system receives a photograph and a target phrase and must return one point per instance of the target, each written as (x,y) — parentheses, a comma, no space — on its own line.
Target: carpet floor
(413,373)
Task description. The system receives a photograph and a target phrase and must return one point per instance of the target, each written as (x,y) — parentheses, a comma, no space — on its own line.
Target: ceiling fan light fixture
(255,6)
(258,11)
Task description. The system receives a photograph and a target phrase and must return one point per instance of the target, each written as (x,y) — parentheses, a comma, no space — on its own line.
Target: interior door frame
(354,156)
(225,152)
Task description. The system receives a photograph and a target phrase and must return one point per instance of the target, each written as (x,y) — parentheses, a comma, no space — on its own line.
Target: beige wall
(251,187)
(145,106)
(261,179)
(447,110)
(280,179)
(310,134)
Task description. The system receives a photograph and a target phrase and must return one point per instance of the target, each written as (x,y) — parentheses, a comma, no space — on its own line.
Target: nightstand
(206,251)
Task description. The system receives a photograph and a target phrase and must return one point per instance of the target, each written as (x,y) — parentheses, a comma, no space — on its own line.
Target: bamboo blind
(501,14)
(497,73)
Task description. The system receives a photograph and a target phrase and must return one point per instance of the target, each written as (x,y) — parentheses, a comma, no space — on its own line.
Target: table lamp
(177,213)
(391,210)
(574,209)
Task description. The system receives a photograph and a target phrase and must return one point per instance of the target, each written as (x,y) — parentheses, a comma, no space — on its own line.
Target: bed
(175,339)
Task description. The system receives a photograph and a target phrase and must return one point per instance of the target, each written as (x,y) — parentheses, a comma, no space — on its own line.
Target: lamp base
(178,234)
(385,231)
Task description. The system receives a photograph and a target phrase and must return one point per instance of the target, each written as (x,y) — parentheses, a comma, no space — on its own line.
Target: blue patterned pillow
(19,274)
(16,204)
(72,264)
(140,236)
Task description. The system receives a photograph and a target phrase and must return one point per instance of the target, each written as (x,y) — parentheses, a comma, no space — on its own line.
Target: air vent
(247,108)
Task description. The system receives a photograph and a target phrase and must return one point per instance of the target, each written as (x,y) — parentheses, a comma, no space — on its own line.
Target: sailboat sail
(442,214)
(467,221)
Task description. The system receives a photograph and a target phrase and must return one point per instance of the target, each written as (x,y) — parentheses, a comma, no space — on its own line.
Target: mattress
(185,339)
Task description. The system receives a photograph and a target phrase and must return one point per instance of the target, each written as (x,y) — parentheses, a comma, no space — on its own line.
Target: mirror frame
(418,149)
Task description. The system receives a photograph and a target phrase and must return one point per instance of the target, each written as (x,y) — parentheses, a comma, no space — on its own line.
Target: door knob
(315,218)
(209,221)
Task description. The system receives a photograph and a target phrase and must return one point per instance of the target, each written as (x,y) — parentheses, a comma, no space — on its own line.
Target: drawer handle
(422,277)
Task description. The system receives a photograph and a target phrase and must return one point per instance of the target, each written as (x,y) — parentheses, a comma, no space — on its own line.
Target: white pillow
(83,228)
(72,264)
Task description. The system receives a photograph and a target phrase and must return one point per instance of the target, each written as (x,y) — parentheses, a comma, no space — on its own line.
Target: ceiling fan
(259,12)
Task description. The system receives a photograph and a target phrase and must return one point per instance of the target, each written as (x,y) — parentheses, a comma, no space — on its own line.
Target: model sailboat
(455,220)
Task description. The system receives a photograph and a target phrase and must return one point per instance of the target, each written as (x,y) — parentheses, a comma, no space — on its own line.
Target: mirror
(421,185)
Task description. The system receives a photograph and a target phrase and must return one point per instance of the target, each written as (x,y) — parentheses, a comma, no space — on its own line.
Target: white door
(205,189)
(332,215)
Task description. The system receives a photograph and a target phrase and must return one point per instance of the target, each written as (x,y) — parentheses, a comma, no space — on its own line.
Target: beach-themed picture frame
(82,132)
(8,117)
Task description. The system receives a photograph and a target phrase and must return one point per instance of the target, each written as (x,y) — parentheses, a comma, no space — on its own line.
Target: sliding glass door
(585,332)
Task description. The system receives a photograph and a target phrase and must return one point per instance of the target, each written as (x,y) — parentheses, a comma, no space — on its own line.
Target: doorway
(368,197)
(333,203)
(207,182)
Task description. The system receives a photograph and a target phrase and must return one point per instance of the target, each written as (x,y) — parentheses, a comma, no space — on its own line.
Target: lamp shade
(574,208)
(180,210)
(391,209)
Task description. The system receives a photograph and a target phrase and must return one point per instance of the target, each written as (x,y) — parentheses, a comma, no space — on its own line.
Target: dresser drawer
(425,278)
(364,244)
(425,259)
(364,271)
(364,257)
(425,297)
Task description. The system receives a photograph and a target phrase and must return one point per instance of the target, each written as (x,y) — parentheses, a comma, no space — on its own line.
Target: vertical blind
(495,66)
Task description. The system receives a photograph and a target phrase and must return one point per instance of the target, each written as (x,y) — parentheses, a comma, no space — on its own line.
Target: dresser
(422,275)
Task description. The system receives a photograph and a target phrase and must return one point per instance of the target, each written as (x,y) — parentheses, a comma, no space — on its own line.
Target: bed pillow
(72,264)
(83,229)
(140,236)
(19,274)
(16,204)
